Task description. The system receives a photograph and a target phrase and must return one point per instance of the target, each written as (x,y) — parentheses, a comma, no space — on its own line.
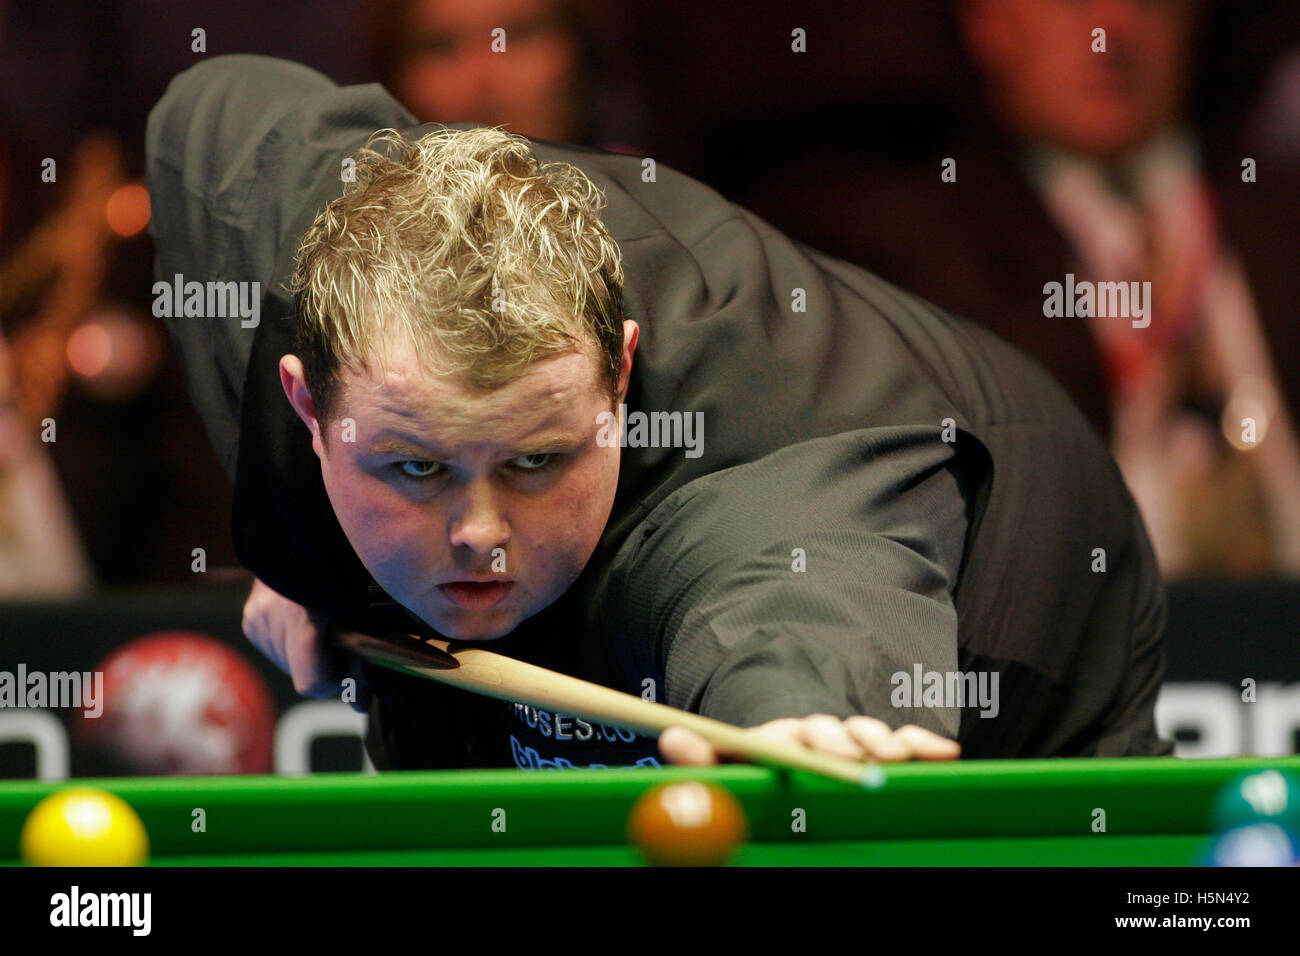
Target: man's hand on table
(285,632)
(857,738)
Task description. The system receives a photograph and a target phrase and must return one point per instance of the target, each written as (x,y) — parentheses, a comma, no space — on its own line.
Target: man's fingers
(681,746)
(860,738)
(270,652)
(264,625)
(855,738)
(784,729)
(293,638)
(877,739)
(926,745)
(828,734)
(307,665)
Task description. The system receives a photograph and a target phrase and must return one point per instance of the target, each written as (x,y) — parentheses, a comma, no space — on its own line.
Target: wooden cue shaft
(495,675)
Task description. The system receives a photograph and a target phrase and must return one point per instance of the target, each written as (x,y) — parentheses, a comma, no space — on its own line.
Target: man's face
(1052,87)
(475,510)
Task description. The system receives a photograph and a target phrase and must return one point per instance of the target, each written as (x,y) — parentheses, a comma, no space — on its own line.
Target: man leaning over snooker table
(427,405)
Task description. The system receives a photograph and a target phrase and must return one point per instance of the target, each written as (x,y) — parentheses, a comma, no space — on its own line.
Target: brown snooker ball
(687,824)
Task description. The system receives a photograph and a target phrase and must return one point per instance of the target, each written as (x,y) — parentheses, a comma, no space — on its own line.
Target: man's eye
(532,462)
(418,469)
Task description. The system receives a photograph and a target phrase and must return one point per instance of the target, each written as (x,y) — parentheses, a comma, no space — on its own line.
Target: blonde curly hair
(465,244)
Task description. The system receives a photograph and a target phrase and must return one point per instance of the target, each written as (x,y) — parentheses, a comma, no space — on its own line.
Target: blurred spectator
(1084,163)
(122,440)
(1275,123)
(540,77)
(50,279)
(40,552)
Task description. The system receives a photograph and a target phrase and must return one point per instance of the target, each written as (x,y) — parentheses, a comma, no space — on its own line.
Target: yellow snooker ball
(82,826)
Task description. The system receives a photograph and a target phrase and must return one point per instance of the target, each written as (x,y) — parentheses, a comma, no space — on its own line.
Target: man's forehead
(403,388)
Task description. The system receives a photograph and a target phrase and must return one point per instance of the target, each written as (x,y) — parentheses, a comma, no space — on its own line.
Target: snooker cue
(505,678)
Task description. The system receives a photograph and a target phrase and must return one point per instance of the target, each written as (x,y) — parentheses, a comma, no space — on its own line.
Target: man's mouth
(476,595)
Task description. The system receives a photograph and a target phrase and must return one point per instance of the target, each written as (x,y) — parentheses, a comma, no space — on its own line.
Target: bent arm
(238,151)
(1129,728)
(803,583)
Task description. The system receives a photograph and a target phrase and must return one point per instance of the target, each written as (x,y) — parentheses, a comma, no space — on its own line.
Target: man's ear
(294,382)
(631,333)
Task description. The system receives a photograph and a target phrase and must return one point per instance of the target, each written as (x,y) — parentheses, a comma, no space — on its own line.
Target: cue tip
(873,778)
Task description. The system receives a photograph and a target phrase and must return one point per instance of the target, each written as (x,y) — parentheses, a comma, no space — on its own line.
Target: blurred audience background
(560,81)
(1162,158)
(1123,165)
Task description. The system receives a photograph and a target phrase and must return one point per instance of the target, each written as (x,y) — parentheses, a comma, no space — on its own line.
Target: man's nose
(479,522)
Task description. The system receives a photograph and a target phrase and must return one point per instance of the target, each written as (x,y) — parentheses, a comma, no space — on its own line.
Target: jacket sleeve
(806,582)
(1129,727)
(237,149)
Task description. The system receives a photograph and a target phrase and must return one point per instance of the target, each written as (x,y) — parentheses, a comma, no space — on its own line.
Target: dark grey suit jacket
(949,500)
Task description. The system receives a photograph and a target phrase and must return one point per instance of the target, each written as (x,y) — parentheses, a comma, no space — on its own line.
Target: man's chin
(470,630)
